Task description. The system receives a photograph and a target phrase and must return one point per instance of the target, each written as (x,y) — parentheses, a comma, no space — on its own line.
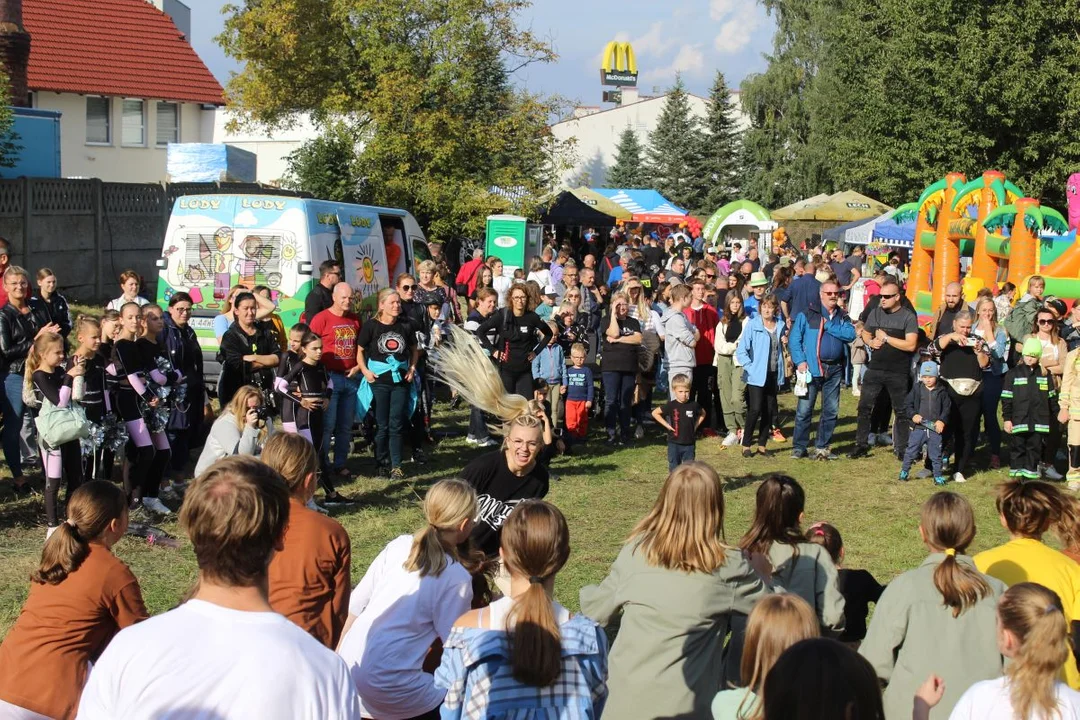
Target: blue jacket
(805,340)
(550,365)
(753,353)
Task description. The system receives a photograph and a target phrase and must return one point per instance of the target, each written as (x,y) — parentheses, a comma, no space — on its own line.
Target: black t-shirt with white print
(682,416)
(498,490)
(381,341)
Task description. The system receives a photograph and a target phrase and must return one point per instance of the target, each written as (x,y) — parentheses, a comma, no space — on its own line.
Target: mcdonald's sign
(618,67)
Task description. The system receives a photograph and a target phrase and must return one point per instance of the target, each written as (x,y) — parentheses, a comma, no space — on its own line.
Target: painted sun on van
(215,242)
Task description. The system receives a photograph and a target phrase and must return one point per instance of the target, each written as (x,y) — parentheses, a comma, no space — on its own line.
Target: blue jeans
(11,407)
(921,436)
(391,416)
(678,454)
(338,419)
(828,385)
(618,396)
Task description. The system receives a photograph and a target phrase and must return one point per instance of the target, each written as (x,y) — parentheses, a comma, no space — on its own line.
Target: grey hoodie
(678,338)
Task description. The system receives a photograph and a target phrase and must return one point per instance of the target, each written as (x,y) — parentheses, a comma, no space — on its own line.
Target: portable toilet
(512,239)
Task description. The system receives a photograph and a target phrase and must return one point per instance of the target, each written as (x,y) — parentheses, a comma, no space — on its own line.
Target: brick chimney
(15,50)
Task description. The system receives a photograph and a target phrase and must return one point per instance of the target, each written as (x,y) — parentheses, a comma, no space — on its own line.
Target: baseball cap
(550,290)
(928,369)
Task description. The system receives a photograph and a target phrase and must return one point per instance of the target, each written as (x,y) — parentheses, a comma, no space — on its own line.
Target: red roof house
(121,48)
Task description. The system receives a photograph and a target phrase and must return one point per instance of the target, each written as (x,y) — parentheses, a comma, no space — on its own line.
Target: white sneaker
(958,478)
(731,439)
(486,442)
(1048,472)
(471,440)
(155,505)
(871,439)
(856,392)
(312,505)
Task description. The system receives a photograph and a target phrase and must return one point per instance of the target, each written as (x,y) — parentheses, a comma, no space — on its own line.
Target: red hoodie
(705,320)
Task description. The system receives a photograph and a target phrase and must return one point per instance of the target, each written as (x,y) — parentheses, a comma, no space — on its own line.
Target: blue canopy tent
(888,232)
(836,234)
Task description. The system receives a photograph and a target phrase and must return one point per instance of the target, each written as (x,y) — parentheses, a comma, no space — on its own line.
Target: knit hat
(1033,347)
(928,369)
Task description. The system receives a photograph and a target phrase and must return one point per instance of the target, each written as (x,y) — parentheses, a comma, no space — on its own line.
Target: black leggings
(962,426)
(759,410)
(517,382)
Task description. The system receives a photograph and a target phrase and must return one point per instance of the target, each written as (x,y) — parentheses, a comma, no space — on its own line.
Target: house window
(133,128)
(168,123)
(98,120)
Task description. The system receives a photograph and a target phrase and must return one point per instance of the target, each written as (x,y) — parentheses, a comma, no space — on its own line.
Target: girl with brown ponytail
(1034,634)
(1028,510)
(525,651)
(408,599)
(81,595)
(939,617)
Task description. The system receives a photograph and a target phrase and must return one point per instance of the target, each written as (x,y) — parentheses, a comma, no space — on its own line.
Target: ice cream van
(214,242)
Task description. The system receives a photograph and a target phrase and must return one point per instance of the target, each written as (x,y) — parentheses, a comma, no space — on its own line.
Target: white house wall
(271,148)
(112,162)
(598,134)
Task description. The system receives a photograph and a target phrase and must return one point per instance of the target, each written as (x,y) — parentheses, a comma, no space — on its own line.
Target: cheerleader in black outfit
(94,400)
(155,357)
(46,379)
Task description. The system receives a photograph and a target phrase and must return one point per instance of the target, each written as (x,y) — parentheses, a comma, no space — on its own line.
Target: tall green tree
(674,153)
(424,85)
(721,159)
(323,166)
(629,168)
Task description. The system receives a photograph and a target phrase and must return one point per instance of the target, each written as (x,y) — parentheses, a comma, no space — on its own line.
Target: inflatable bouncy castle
(1008,236)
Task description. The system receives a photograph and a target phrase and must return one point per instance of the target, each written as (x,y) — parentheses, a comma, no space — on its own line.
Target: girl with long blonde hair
(46,380)
(408,599)
(938,617)
(776,623)
(532,654)
(677,585)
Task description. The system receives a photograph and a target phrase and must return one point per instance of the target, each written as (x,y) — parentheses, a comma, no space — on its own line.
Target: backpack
(1020,320)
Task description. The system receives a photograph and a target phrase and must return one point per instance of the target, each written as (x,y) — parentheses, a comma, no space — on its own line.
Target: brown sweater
(43,661)
(309,580)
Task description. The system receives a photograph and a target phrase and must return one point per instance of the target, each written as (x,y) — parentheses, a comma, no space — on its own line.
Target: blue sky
(694,37)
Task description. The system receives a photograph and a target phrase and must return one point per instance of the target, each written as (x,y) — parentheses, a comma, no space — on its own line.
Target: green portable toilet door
(506,241)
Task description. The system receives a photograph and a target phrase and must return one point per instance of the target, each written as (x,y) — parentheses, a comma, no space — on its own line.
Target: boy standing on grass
(578,384)
(927,405)
(682,417)
(1028,402)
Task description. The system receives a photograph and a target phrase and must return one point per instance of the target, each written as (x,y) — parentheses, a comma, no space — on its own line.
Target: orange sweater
(43,660)
(309,580)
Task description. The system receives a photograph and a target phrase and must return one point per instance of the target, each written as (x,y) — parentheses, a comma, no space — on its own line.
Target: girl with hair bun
(678,587)
(81,595)
(409,598)
(1028,510)
(1034,634)
(939,617)
(525,655)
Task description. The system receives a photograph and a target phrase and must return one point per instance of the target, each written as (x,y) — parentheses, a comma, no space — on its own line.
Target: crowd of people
(460,619)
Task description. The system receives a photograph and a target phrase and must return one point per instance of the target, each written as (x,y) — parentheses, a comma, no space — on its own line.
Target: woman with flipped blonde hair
(677,584)
(505,477)
(410,597)
(776,623)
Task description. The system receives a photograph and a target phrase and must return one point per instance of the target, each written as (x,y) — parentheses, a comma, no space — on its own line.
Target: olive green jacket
(914,634)
(666,661)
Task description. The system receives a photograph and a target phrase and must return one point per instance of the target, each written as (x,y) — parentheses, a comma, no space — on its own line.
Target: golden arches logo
(619,56)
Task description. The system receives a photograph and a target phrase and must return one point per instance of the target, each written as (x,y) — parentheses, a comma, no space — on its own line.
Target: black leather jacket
(17,331)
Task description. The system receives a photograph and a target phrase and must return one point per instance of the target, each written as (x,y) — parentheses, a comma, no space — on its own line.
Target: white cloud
(246,219)
(739,26)
(688,61)
(719,9)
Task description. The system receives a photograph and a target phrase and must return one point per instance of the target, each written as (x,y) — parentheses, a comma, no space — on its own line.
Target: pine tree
(629,168)
(674,154)
(721,159)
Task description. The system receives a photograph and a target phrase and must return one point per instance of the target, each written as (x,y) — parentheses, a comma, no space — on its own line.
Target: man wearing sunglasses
(819,343)
(891,331)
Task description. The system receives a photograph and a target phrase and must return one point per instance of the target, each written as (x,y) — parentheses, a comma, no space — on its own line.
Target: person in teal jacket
(760,353)
(819,342)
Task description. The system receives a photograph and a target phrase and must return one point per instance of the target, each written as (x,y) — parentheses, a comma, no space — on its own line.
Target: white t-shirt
(205,662)
(501,284)
(398,615)
(989,700)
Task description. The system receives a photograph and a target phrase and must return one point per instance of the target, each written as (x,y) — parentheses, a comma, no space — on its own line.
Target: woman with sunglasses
(1053,361)
(519,335)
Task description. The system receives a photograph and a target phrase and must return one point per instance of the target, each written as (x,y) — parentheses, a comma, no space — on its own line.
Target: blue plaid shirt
(480,683)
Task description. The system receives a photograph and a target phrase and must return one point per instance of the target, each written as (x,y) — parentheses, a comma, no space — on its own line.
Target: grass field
(602,491)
